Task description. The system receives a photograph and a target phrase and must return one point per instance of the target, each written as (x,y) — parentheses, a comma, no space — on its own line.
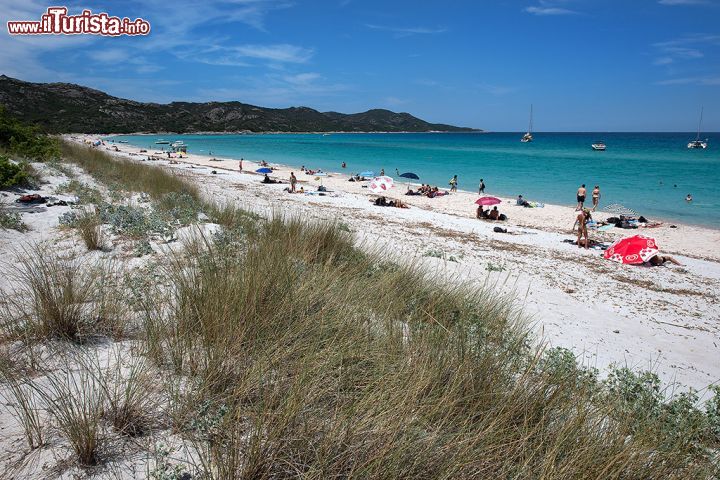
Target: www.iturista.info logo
(56,21)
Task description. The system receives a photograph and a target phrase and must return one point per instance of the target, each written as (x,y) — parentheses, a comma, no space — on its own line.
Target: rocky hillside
(65,107)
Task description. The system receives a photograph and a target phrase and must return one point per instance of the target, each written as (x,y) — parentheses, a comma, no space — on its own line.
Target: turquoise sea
(650,173)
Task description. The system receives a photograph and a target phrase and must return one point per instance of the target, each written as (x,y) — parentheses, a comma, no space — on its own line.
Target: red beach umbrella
(485,201)
(632,250)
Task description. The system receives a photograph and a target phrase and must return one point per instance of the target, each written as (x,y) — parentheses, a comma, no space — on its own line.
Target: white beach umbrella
(618,209)
(381,185)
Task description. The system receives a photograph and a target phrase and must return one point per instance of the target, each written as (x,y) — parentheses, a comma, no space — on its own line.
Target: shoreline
(675,215)
(686,239)
(662,319)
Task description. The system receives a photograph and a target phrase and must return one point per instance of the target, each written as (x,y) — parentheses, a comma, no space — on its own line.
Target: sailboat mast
(700,122)
(531,119)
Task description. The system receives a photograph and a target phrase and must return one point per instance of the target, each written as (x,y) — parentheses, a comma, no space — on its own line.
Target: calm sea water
(650,173)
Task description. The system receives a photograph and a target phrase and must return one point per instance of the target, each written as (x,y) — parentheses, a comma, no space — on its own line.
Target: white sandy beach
(666,319)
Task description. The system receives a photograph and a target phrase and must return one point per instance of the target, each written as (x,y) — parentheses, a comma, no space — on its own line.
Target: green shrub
(26,141)
(15,174)
(12,221)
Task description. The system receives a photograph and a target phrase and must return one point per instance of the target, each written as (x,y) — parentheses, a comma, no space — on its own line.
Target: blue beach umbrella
(264,170)
(367,173)
(410,175)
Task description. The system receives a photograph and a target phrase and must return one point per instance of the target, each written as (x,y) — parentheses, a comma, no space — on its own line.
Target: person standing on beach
(581,197)
(595,197)
(293,182)
(453,183)
(240,164)
(382,172)
(582,219)
(481,187)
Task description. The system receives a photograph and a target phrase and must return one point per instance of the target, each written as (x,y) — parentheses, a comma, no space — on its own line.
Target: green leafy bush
(14,174)
(26,141)
(12,221)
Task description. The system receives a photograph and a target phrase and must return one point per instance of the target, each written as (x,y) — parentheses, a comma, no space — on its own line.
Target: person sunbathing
(269,180)
(659,260)
(494,214)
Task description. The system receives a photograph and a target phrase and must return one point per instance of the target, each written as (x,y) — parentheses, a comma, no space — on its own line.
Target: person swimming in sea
(688,198)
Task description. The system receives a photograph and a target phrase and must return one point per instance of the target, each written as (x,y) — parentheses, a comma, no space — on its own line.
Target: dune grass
(288,352)
(128,175)
(90,230)
(310,358)
(59,295)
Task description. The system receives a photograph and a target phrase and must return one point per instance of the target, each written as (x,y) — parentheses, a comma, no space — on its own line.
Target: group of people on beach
(427,191)
(489,214)
(582,193)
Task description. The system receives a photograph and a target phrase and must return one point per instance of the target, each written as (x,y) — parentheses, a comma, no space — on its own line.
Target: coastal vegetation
(275,347)
(25,141)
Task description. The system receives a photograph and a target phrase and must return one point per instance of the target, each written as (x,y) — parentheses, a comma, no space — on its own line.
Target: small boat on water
(599,146)
(162,142)
(697,143)
(179,146)
(528,136)
(122,141)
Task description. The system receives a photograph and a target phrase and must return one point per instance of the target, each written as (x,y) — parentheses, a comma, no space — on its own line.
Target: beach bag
(499,230)
(613,220)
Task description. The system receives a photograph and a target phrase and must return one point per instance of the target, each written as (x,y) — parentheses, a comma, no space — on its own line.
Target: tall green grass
(126,174)
(290,353)
(58,295)
(310,358)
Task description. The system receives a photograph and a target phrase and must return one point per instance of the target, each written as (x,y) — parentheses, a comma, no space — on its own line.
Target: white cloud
(702,81)
(405,31)
(302,78)
(395,101)
(682,2)
(542,11)
(276,53)
(663,61)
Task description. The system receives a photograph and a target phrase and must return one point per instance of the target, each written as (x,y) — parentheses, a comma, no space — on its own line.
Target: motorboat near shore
(599,146)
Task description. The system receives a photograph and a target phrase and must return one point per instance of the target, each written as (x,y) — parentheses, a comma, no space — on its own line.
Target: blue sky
(585,65)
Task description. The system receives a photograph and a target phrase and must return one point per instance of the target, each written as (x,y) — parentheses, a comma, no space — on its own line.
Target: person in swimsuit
(581,197)
(293,182)
(582,219)
(481,187)
(595,197)
(453,184)
(240,164)
(659,260)
(494,214)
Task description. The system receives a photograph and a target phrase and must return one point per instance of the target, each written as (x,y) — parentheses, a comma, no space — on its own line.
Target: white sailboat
(697,143)
(528,136)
